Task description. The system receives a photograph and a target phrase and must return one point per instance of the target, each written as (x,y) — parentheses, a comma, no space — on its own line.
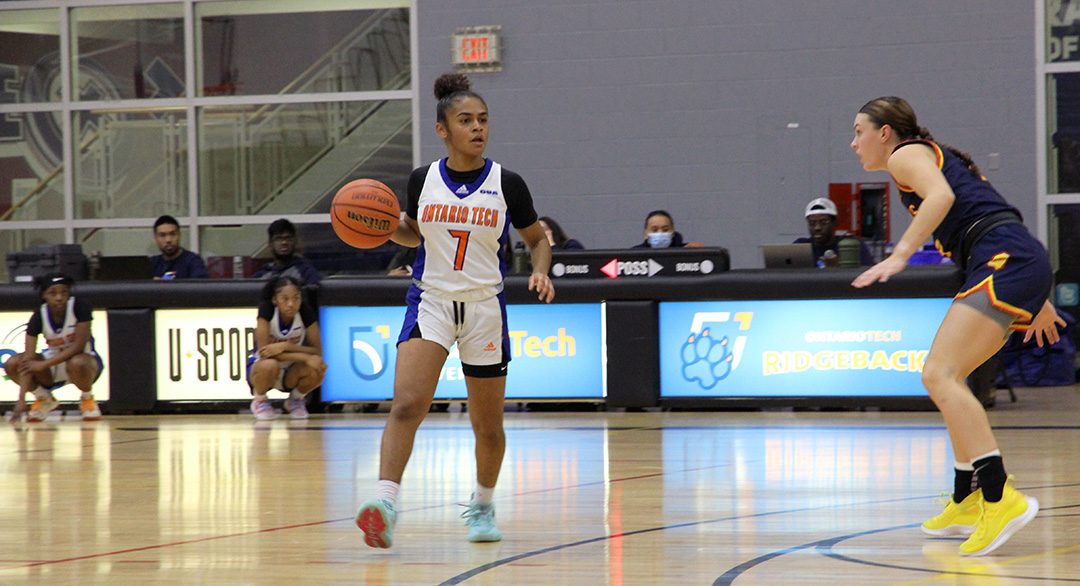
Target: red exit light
(477,48)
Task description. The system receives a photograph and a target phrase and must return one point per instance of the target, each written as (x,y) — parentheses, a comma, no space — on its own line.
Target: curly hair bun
(448,83)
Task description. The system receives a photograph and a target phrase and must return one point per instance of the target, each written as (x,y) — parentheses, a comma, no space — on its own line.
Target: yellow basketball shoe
(1000,521)
(958,518)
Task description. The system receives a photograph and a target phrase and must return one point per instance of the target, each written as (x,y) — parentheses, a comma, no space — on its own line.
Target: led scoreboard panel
(804,348)
(557,351)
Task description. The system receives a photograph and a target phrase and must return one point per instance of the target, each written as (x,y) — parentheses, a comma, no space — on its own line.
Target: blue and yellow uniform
(985,235)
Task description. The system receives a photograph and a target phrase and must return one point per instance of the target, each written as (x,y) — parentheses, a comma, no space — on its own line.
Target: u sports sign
(13,341)
(202,353)
(805,348)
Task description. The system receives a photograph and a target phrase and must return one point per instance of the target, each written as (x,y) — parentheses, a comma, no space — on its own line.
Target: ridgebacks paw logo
(706,360)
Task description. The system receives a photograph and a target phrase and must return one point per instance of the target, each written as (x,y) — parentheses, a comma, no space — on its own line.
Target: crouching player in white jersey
(288,351)
(64,321)
(459,213)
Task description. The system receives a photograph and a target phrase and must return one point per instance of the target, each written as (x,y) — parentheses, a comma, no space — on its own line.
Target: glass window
(128,52)
(1063,133)
(131,163)
(1065,250)
(29,56)
(122,241)
(315,241)
(341,49)
(290,158)
(30,165)
(12,241)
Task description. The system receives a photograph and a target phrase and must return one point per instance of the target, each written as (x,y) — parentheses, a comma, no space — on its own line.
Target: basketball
(364,213)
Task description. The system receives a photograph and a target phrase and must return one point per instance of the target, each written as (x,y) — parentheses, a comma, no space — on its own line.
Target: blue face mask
(660,239)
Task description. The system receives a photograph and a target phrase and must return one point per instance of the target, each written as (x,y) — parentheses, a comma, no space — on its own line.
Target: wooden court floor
(779,497)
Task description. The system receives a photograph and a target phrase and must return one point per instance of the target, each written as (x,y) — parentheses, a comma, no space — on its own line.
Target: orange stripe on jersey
(987,284)
(939,158)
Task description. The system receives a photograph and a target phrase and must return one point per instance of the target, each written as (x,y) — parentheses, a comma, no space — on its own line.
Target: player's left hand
(880,272)
(541,283)
(1045,324)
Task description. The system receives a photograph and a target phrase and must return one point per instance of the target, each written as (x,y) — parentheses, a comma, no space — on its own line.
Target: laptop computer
(124,268)
(789,256)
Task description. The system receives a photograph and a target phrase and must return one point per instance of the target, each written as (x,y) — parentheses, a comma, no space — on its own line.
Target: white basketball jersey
(462,226)
(59,339)
(295,334)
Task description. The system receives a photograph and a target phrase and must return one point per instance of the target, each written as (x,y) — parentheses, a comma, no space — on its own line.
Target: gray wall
(612,108)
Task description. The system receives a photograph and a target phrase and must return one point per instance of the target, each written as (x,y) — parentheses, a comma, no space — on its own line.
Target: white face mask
(660,239)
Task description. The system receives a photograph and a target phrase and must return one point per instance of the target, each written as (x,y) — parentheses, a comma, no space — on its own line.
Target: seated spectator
(821,221)
(287,263)
(556,237)
(174,262)
(660,232)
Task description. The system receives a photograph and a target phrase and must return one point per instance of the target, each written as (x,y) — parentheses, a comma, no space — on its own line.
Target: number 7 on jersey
(462,245)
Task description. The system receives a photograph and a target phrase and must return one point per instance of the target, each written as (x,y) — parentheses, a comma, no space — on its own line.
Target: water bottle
(849,252)
(94,264)
(238,267)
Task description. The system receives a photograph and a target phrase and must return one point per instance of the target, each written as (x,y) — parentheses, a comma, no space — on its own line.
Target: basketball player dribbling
(459,212)
(69,356)
(1008,279)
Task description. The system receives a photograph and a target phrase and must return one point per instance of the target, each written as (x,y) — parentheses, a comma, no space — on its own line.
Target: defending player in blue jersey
(1008,280)
(459,212)
(69,356)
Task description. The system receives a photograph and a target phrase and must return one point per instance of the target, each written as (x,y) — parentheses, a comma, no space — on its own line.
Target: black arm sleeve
(83,310)
(416,184)
(266,310)
(309,315)
(519,203)
(33,327)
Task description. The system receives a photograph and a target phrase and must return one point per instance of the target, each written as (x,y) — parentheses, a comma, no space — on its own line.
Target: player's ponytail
(449,88)
(899,115)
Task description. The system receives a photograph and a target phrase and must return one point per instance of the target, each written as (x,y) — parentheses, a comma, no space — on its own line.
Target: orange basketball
(365,213)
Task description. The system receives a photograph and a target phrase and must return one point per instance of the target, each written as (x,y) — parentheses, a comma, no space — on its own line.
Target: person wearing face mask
(660,232)
(557,237)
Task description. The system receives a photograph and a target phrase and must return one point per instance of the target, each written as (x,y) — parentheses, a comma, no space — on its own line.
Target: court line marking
(827,551)
(497,563)
(501,562)
(175,543)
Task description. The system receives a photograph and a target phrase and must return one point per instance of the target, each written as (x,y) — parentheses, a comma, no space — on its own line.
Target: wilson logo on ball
(373,223)
(365,213)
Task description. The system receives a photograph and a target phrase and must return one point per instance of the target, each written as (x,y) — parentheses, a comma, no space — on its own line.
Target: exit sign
(477,48)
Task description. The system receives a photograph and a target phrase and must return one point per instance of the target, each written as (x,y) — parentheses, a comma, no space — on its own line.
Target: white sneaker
(262,410)
(296,408)
(42,408)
